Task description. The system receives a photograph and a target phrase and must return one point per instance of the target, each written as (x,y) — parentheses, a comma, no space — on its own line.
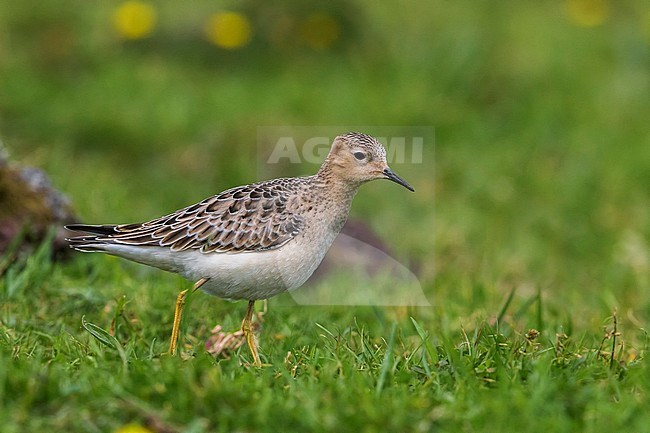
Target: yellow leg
(247,328)
(178,315)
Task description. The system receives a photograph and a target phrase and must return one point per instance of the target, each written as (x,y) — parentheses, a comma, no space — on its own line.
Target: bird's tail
(96,241)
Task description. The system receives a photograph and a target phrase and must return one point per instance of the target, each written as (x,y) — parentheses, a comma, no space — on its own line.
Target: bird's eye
(359,155)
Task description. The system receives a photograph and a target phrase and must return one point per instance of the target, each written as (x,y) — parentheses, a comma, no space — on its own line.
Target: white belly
(244,275)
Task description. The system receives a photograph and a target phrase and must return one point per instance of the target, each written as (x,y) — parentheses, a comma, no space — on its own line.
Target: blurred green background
(540,176)
(541,170)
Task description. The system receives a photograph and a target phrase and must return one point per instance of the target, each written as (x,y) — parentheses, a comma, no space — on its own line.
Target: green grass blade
(540,310)
(424,336)
(105,338)
(10,252)
(506,304)
(385,364)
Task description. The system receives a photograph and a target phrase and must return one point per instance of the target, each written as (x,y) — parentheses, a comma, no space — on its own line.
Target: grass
(332,368)
(529,229)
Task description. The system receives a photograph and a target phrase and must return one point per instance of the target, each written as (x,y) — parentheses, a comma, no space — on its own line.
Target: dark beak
(395,178)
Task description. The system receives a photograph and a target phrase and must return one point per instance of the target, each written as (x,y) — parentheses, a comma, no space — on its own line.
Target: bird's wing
(254,217)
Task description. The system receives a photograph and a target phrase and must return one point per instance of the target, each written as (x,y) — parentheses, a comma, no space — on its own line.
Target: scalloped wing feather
(248,218)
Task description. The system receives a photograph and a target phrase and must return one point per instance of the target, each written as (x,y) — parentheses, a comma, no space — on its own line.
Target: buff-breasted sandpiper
(254,241)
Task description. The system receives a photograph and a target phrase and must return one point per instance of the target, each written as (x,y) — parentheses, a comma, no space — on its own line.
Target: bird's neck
(330,177)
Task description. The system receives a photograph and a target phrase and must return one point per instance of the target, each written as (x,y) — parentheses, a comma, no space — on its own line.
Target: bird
(250,242)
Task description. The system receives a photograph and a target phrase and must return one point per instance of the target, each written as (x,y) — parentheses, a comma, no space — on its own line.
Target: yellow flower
(133,428)
(320,30)
(588,13)
(229,30)
(134,19)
